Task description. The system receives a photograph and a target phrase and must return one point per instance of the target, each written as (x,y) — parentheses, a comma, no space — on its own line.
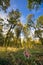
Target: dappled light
(21,32)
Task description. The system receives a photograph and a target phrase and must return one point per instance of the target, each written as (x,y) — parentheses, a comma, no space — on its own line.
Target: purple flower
(26,54)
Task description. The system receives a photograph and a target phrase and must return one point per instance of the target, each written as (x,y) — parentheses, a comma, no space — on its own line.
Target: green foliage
(34,4)
(40,22)
(4,4)
(30,20)
(13,16)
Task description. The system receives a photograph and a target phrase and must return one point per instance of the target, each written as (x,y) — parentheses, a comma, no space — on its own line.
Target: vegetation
(29,49)
(34,4)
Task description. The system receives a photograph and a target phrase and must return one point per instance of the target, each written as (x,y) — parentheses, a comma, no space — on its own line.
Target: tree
(12,21)
(25,31)
(30,21)
(18,29)
(1,39)
(10,39)
(34,4)
(40,22)
(1,25)
(39,30)
(4,4)
(1,35)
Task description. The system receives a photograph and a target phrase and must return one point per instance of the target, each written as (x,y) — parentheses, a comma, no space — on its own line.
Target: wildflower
(26,54)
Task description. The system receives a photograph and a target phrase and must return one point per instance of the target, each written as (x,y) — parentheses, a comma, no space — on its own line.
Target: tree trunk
(5,41)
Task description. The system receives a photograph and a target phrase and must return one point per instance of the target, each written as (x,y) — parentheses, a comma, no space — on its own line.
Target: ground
(15,56)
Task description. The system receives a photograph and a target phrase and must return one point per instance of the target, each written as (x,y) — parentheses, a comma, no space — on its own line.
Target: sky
(22,6)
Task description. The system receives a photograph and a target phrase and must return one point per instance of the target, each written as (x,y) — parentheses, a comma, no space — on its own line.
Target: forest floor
(35,49)
(15,56)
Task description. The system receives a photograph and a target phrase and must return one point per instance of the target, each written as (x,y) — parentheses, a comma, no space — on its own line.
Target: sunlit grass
(35,49)
(12,49)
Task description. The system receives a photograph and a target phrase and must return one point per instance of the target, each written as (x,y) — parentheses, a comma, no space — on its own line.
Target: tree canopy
(34,4)
(4,4)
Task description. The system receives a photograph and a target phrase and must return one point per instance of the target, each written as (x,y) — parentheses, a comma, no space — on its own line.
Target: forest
(21,39)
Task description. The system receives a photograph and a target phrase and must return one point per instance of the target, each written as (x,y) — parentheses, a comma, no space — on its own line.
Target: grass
(15,56)
(10,49)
